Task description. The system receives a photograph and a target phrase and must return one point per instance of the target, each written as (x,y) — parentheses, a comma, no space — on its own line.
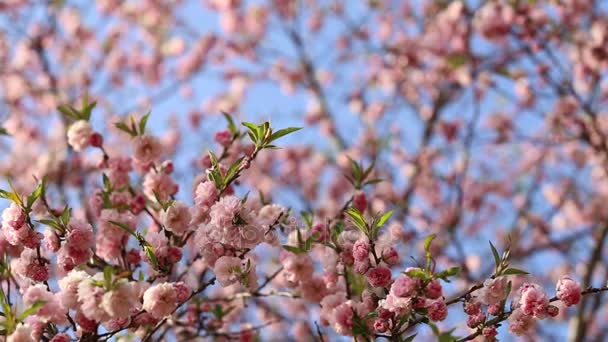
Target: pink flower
(433,289)
(533,300)
(328,303)
(63,337)
(493,291)
(79,135)
(400,306)
(146,149)
(390,256)
(177,218)
(361,250)
(379,276)
(343,318)
(205,194)
(69,288)
(437,310)
(29,266)
(404,286)
(23,333)
(297,268)
(227,270)
(120,300)
(519,323)
(51,311)
(472,308)
(489,332)
(568,291)
(475,320)
(90,298)
(160,300)
(16,230)
(159,185)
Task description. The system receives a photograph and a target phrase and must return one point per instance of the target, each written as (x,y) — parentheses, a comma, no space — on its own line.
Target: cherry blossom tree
(306,170)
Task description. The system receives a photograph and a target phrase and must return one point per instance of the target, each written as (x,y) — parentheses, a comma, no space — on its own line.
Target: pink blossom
(160,300)
(379,276)
(404,286)
(146,149)
(390,256)
(568,291)
(328,303)
(493,291)
(433,290)
(79,135)
(119,301)
(227,270)
(62,337)
(533,300)
(29,266)
(159,185)
(343,318)
(90,298)
(437,310)
(69,288)
(52,310)
(361,250)
(297,268)
(23,333)
(400,306)
(176,218)
(489,332)
(520,324)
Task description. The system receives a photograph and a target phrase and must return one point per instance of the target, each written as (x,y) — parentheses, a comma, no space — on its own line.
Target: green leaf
(292,249)
(52,224)
(254,130)
(385,218)
(231,125)
(373,181)
(427,243)
(307,217)
(123,127)
(151,255)
(143,122)
(35,195)
(410,338)
(513,271)
(495,254)
(31,310)
(457,60)
(65,215)
(283,132)
(69,111)
(107,276)
(450,272)
(233,169)
(3,131)
(357,219)
(124,227)
(416,273)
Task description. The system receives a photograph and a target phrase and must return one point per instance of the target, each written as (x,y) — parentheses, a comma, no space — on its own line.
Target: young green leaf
(427,243)
(31,310)
(514,271)
(385,218)
(124,227)
(495,254)
(283,132)
(143,122)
